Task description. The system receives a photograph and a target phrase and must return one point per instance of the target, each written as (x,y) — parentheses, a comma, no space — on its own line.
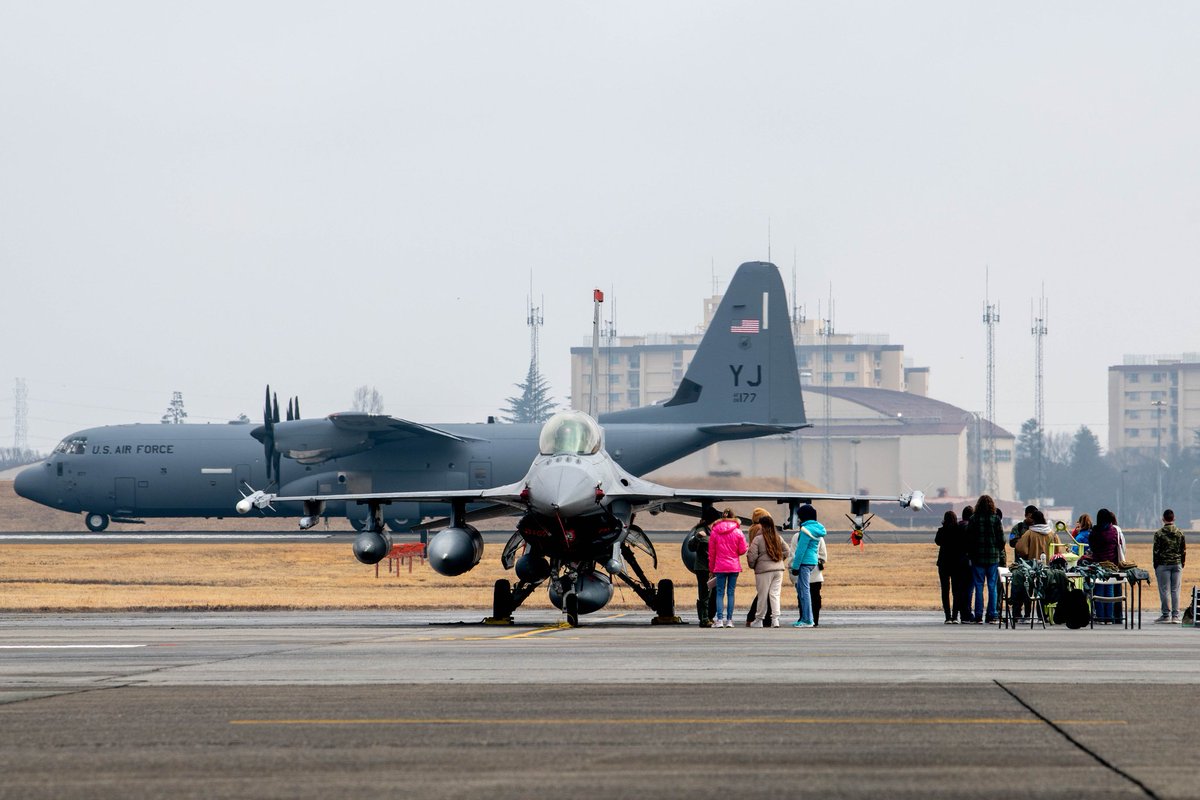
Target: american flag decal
(745,326)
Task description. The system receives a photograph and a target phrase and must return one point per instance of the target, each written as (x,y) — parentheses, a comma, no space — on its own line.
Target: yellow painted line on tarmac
(727,721)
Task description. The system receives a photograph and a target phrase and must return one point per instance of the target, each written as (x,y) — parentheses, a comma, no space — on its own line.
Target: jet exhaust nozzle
(453,551)
(371,547)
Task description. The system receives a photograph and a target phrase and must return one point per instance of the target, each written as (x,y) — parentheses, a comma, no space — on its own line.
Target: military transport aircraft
(577,526)
(742,383)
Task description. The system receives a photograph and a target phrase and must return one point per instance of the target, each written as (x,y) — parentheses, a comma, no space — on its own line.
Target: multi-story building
(1154,403)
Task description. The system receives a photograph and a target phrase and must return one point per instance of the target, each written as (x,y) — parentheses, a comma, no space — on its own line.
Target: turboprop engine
(453,551)
(593,590)
(371,548)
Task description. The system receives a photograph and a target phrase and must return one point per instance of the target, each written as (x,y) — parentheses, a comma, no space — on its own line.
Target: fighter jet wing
(509,495)
(653,495)
(914,499)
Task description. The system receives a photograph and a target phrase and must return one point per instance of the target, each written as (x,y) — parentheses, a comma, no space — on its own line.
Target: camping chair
(1120,595)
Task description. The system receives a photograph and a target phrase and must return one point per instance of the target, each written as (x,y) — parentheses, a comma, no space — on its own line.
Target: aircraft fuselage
(147,471)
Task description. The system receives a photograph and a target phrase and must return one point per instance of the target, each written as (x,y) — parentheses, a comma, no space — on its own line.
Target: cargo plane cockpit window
(75,446)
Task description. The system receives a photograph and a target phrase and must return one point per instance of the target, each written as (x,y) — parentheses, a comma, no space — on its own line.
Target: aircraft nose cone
(564,489)
(27,481)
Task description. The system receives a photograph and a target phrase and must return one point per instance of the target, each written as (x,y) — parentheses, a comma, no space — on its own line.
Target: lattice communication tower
(20,416)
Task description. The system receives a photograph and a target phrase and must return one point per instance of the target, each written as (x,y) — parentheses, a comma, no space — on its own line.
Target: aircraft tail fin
(744,371)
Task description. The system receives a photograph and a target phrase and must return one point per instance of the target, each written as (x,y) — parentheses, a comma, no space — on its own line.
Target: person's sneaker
(775,624)
(1176,621)
(978,621)
(948,622)
(797,624)
(756,624)
(802,624)
(1164,618)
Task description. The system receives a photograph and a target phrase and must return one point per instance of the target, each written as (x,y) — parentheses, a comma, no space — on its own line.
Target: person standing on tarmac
(698,544)
(768,557)
(755,529)
(816,581)
(1170,555)
(985,546)
(726,546)
(804,561)
(952,554)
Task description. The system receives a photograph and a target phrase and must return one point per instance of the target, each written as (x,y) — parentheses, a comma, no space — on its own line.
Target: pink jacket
(726,545)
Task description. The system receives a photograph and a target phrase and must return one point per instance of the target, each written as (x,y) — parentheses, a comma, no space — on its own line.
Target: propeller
(270,417)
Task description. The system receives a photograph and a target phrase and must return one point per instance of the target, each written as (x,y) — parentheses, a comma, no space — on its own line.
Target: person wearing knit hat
(755,529)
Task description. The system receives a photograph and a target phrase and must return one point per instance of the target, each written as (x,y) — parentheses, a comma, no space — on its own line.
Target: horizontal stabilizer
(748,430)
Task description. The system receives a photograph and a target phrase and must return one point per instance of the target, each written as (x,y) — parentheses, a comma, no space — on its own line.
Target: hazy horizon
(210,198)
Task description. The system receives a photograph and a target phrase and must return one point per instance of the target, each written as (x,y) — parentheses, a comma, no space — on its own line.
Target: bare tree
(175,413)
(368,399)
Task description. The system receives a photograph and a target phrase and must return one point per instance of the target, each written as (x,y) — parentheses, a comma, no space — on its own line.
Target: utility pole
(1039,330)
(20,416)
(826,331)
(1158,462)
(597,299)
(798,318)
(991,318)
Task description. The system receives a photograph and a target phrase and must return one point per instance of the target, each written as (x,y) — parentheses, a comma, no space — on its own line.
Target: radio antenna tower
(991,318)
(534,320)
(1039,331)
(20,416)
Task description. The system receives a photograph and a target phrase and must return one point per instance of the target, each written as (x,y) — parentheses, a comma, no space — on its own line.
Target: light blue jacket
(807,543)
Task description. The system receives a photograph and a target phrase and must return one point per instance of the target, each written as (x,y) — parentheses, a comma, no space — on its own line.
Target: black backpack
(1073,610)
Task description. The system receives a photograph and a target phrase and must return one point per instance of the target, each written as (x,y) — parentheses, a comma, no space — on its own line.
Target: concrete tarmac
(414,704)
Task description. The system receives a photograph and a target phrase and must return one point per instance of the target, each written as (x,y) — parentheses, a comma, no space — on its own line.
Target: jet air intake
(453,551)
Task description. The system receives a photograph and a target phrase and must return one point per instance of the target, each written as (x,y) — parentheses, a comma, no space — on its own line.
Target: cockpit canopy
(73,445)
(570,433)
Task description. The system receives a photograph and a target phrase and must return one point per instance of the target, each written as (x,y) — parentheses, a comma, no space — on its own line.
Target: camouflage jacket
(1169,546)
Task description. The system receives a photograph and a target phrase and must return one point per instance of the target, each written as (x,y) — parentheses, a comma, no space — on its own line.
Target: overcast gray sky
(207,197)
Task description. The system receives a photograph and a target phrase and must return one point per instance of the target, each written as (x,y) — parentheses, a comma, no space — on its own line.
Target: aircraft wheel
(95,522)
(501,599)
(571,606)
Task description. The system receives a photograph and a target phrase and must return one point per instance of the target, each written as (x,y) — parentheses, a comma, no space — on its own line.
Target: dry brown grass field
(249,576)
(115,577)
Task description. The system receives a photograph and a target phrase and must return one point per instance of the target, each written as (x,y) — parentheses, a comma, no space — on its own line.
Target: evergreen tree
(533,404)
(1029,447)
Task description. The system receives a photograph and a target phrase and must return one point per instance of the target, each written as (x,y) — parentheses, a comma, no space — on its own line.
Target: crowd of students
(971,551)
(719,546)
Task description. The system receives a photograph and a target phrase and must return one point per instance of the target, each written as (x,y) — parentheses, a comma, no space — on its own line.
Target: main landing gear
(581,587)
(95,522)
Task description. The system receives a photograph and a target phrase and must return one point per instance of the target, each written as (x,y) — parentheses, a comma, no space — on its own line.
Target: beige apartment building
(1153,402)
